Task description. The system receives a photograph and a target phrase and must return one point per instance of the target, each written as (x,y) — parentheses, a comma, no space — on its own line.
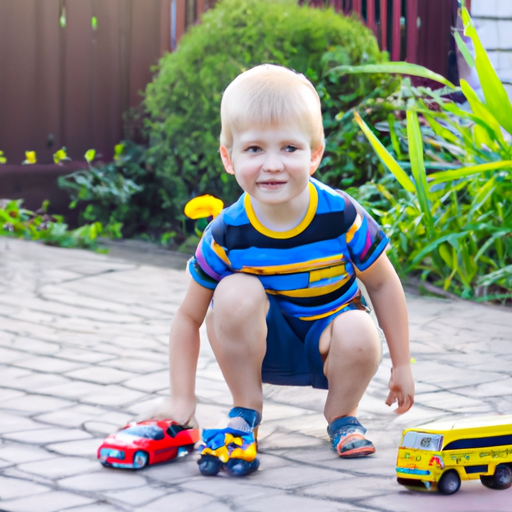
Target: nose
(272,163)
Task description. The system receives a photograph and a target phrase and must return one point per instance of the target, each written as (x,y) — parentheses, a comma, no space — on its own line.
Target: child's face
(272,163)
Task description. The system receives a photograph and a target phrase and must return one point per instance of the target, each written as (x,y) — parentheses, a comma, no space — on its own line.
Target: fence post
(177,22)
(384,24)
(397,30)
(412,31)
(370,16)
(337,5)
(165,26)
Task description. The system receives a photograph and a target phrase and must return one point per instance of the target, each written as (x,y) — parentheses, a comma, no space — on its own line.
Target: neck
(282,217)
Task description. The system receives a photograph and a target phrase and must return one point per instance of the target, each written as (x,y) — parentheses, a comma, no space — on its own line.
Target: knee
(238,296)
(356,339)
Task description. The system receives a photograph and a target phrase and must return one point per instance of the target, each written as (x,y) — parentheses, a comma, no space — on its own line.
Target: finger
(391,399)
(404,405)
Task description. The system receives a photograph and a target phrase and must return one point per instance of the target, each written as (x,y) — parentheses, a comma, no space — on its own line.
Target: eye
(252,149)
(290,148)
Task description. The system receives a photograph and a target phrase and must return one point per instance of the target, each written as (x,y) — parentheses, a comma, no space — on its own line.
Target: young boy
(277,271)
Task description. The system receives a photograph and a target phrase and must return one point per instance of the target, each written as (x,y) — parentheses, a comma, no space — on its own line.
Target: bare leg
(352,351)
(237,331)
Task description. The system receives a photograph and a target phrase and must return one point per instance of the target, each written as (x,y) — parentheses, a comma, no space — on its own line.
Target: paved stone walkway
(83,350)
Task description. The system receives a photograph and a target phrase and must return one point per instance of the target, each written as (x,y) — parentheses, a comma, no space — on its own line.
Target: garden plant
(41,226)
(18,222)
(453,227)
(111,189)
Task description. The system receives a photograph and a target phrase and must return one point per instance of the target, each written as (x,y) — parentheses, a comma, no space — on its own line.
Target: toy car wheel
(449,482)
(238,467)
(186,450)
(502,478)
(209,465)
(140,459)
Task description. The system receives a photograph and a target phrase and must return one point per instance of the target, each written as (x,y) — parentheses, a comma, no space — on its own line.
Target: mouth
(271,184)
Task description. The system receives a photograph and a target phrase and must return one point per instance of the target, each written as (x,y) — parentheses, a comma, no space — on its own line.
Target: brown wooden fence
(418,31)
(69,69)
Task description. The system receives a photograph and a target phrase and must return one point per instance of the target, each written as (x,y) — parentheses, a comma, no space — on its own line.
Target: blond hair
(269,95)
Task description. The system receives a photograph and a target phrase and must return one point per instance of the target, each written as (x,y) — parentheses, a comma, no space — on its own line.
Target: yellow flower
(3,160)
(118,151)
(60,155)
(30,157)
(203,206)
(90,155)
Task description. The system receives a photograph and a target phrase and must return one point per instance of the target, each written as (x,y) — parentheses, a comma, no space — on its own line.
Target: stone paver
(64,466)
(54,501)
(44,436)
(83,350)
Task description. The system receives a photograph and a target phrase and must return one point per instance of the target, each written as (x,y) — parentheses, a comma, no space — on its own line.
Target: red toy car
(147,442)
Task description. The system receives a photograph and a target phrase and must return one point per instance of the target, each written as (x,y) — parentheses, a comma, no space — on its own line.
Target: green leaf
(464,49)
(463,172)
(418,167)
(401,68)
(394,138)
(446,254)
(494,297)
(489,242)
(496,97)
(496,275)
(450,238)
(441,131)
(385,156)
(481,111)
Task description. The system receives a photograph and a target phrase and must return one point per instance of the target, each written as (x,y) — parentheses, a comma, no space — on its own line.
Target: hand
(167,408)
(401,388)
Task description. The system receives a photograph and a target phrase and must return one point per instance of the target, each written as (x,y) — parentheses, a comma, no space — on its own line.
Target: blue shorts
(293,356)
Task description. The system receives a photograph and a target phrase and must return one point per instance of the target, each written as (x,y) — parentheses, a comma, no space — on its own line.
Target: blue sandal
(231,449)
(348,438)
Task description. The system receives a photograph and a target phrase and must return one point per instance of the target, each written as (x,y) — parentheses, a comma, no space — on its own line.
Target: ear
(316,158)
(226,160)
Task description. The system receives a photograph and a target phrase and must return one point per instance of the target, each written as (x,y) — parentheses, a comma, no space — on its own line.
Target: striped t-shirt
(309,269)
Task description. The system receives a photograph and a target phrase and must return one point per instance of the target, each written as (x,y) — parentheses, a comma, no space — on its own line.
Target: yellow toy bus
(437,456)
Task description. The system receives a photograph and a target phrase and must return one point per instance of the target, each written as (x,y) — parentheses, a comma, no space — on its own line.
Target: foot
(232,449)
(348,438)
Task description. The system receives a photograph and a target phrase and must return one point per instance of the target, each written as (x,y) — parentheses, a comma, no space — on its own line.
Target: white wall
(493,19)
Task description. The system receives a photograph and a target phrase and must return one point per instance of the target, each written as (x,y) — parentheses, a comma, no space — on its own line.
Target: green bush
(18,222)
(469,254)
(183,101)
(118,192)
(124,193)
(453,227)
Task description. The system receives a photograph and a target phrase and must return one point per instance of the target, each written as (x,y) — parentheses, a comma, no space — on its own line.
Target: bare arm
(184,350)
(388,299)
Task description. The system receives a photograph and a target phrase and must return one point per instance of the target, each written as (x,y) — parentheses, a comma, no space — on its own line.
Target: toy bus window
(479,442)
(421,441)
